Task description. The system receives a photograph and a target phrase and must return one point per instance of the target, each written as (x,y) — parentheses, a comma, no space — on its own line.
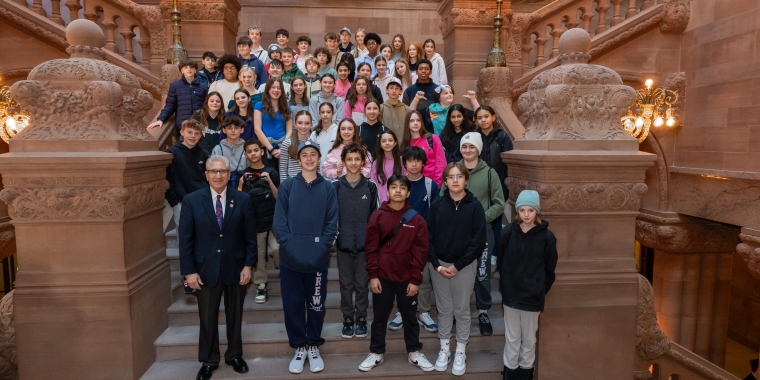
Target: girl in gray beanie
(526,262)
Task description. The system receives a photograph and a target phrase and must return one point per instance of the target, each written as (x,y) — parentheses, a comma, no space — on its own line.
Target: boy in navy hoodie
(187,172)
(305,235)
(396,252)
(422,193)
(357,200)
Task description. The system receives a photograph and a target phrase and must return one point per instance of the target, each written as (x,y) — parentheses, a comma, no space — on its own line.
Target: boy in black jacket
(357,200)
(187,172)
(526,263)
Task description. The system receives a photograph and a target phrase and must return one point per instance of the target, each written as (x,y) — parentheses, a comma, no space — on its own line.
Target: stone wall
(744,314)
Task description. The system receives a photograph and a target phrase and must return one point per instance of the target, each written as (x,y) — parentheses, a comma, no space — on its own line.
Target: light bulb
(671,122)
(658,121)
(649,83)
(11,123)
(639,121)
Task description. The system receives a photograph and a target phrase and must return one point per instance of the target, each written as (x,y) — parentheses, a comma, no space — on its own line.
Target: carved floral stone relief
(685,235)
(582,197)
(651,342)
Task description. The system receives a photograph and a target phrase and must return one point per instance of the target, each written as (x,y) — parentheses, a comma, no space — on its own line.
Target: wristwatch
(439,268)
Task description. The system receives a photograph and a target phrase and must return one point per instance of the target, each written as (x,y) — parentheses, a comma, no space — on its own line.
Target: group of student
(367,152)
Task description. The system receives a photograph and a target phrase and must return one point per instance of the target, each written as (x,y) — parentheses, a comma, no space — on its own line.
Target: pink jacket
(341,89)
(436,158)
(358,107)
(330,167)
(382,189)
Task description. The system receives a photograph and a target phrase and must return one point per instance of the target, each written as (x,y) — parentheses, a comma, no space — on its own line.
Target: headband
(441,88)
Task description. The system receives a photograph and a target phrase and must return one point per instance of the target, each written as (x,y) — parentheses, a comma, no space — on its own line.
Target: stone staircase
(265,342)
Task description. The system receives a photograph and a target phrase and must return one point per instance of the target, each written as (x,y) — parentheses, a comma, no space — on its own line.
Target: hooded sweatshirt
(485,186)
(402,258)
(355,206)
(438,72)
(234,153)
(305,234)
(436,157)
(457,230)
(526,263)
(393,116)
(313,86)
(337,102)
(370,134)
(186,173)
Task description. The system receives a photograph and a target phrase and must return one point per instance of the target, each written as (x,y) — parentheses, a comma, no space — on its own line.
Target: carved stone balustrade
(84,186)
(590,177)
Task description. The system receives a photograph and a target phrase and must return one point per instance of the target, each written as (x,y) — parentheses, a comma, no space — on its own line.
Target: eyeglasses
(217,172)
(233,68)
(455,177)
(373,43)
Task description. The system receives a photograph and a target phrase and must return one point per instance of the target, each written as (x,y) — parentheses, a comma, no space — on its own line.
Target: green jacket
(484,185)
(288,75)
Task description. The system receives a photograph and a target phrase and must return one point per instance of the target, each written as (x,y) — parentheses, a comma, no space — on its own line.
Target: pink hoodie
(436,158)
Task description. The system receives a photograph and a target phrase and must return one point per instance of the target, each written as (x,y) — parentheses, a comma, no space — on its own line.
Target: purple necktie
(219,216)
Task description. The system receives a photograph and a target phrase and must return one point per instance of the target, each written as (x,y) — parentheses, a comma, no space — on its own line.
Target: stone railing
(53,33)
(133,31)
(532,46)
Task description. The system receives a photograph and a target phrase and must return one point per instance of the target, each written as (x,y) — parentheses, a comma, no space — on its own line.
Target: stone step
(480,365)
(271,340)
(184,312)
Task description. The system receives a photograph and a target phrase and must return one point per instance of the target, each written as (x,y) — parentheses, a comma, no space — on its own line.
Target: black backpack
(263,202)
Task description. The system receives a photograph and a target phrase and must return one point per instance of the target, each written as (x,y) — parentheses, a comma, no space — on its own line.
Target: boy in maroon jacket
(396,250)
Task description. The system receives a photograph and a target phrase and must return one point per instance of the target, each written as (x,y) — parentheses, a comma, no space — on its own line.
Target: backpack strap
(430,141)
(408,215)
(428,187)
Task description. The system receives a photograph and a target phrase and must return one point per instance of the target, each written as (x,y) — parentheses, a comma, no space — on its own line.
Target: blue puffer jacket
(183,99)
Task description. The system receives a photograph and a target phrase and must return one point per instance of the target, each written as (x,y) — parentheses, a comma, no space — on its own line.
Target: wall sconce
(13,119)
(650,110)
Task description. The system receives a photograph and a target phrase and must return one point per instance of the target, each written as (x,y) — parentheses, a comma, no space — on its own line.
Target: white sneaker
(460,364)
(397,323)
(261,293)
(371,361)
(296,365)
(442,363)
(316,364)
(428,323)
(418,359)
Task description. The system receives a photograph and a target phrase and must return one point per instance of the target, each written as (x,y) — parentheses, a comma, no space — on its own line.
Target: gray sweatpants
(520,330)
(452,299)
(424,296)
(353,277)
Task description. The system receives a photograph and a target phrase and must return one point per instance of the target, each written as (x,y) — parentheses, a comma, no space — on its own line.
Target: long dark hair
(408,133)
(282,102)
(353,96)
(294,141)
(203,113)
(380,156)
(248,110)
(319,127)
(447,134)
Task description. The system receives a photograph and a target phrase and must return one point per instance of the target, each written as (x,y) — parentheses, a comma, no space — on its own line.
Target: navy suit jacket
(205,249)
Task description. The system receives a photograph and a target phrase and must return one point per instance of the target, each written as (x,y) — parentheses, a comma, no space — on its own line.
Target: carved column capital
(675,16)
(651,342)
(677,233)
(467,14)
(494,82)
(749,250)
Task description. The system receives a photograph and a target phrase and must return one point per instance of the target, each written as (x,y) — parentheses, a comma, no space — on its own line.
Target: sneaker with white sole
(296,365)
(442,362)
(427,322)
(316,364)
(262,295)
(418,359)
(460,364)
(370,362)
(397,323)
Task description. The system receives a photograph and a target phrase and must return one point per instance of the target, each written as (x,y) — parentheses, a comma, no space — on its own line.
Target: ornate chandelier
(650,110)
(13,119)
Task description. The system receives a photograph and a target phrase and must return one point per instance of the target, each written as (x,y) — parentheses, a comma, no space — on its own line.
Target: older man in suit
(217,249)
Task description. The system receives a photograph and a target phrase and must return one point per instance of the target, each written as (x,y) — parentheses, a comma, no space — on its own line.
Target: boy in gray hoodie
(232,147)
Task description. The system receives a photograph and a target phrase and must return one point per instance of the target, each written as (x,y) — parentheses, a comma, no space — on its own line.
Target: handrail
(166,135)
(55,34)
(690,362)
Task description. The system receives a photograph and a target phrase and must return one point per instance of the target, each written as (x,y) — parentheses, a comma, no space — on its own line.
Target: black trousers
(383,305)
(208,309)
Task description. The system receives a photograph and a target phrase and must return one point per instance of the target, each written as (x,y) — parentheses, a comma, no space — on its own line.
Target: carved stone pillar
(128,52)
(540,46)
(204,18)
(84,185)
(587,17)
(692,279)
(55,14)
(556,34)
(110,36)
(617,16)
(749,250)
(590,176)
(145,44)
(74,8)
(604,5)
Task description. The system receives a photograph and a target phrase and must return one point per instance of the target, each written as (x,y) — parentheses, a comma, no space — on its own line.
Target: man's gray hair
(218,158)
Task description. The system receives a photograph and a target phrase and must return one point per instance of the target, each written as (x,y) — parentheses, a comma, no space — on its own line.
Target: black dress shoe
(238,365)
(205,372)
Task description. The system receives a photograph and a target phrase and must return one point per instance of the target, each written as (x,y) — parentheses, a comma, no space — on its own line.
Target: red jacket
(403,257)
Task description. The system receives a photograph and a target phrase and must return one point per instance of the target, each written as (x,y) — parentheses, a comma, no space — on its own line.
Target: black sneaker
(348,328)
(361,327)
(262,295)
(485,325)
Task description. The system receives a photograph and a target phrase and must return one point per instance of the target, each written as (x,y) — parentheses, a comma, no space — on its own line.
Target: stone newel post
(84,185)
(590,175)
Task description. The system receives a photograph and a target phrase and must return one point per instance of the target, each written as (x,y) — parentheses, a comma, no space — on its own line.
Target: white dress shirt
(223,200)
